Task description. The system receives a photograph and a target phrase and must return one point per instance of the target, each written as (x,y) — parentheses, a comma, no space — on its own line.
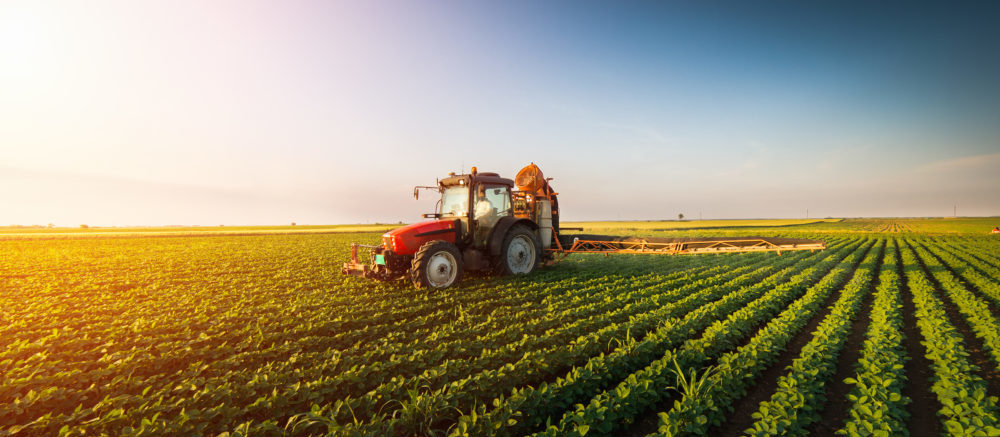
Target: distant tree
(680,216)
(84,226)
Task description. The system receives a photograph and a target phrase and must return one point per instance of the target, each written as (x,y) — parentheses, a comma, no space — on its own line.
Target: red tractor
(481,224)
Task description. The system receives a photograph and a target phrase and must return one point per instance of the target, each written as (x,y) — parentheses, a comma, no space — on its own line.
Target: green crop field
(893,330)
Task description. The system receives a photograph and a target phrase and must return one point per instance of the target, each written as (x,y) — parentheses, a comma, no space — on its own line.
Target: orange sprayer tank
(531,180)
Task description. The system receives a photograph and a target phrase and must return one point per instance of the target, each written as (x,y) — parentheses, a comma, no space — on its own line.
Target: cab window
(492,200)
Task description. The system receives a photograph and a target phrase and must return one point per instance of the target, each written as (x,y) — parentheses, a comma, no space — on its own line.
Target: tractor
(481,223)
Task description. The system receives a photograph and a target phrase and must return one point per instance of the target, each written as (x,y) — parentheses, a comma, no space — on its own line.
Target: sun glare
(26,39)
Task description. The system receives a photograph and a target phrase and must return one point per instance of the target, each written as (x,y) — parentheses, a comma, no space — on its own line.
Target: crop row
(701,409)
(965,407)
(878,406)
(510,414)
(799,397)
(613,409)
(975,310)
(363,394)
(634,321)
(219,374)
(975,266)
(267,357)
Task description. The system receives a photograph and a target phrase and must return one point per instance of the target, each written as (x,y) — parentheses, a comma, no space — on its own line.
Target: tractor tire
(438,264)
(520,252)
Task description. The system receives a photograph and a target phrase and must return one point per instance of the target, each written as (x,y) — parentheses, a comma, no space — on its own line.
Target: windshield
(455,201)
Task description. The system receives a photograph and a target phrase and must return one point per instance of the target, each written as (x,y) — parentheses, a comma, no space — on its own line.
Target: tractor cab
(477,201)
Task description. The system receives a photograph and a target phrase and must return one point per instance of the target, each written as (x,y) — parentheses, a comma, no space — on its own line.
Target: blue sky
(124,113)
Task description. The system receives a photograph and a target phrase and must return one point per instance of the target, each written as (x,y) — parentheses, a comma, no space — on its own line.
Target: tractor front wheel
(438,264)
(519,254)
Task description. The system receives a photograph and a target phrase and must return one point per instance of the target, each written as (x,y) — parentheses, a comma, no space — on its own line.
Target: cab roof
(478,178)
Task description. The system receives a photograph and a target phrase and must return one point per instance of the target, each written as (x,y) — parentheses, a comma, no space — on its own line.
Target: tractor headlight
(392,242)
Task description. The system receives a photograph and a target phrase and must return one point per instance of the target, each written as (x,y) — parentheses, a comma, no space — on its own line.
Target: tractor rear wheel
(438,264)
(519,253)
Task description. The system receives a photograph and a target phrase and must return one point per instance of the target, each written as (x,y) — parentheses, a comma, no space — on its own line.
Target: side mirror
(416,193)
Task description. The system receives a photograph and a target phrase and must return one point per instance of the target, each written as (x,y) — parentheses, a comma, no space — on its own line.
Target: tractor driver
(484,208)
(485,214)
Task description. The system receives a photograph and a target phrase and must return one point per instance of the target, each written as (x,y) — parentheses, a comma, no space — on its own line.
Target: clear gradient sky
(254,112)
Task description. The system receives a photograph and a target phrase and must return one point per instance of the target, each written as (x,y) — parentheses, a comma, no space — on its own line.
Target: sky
(321,112)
